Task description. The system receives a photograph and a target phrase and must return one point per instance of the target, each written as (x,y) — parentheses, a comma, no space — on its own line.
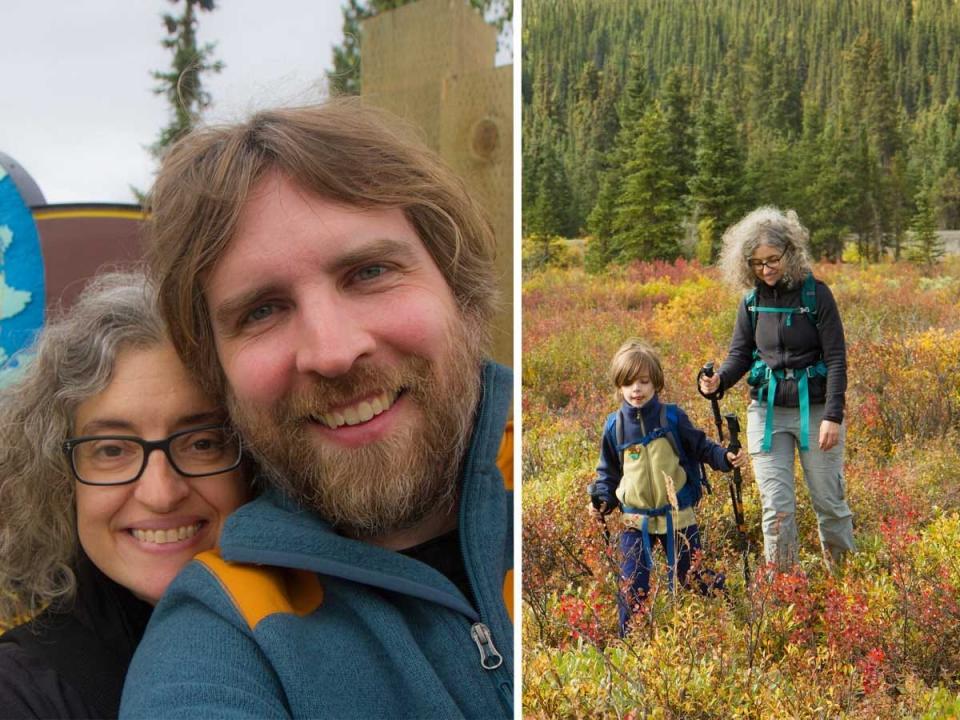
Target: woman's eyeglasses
(121,459)
(769,262)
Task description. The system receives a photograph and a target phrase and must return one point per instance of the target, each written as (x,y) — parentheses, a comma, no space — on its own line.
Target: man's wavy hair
(72,360)
(341,150)
(765,226)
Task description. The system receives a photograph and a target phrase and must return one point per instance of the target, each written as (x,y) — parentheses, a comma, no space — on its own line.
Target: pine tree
(926,246)
(883,78)
(182,85)
(344,79)
(584,158)
(947,195)
(600,249)
(636,98)
(717,186)
(600,221)
(548,208)
(822,184)
(647,219)
(675,103)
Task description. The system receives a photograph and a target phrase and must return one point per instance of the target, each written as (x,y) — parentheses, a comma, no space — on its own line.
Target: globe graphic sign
(21,278)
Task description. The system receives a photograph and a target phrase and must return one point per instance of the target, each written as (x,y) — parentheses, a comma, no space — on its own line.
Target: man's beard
(388,485)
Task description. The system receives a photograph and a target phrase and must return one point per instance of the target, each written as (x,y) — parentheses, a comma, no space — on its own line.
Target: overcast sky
(76,107)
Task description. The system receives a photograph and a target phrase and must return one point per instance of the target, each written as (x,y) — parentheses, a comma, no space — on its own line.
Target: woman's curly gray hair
(73,360)
(765,226)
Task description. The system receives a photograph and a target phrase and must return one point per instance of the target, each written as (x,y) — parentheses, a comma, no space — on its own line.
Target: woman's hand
(709,384)
(829,434)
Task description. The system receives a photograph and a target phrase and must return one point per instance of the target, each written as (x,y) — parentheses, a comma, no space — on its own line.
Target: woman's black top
(70,662)
(795,343)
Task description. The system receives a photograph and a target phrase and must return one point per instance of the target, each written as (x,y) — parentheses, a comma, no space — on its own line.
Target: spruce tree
(182,84)
(675,103)
(822,185)
(926,246)
(600,248)
(600,221)
(584,158)
(947,198)
(648,214)
(550,212)
(717,186)
(344,79)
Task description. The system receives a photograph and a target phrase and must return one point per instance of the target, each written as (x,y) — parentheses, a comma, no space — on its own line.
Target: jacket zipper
(490,658)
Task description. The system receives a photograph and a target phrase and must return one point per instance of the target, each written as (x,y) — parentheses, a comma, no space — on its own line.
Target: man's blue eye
(369,273)
(260,313)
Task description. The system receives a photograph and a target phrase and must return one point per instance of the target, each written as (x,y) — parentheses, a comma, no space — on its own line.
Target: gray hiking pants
(823,472)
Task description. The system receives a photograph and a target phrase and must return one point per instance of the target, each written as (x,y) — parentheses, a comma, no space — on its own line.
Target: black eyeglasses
(769,262)
(121,459)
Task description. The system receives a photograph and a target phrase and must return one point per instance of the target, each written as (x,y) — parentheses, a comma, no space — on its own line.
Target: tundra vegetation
(879,639)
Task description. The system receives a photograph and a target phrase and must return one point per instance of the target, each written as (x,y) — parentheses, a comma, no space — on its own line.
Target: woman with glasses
(789,338)
(115,470)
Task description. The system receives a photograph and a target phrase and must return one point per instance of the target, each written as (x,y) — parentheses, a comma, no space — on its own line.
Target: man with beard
(334,282)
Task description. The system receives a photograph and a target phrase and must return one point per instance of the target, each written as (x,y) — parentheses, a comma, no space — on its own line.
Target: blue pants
(635,575)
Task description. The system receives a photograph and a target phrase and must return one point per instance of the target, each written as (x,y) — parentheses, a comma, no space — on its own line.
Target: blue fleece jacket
(695,443)
(338,628)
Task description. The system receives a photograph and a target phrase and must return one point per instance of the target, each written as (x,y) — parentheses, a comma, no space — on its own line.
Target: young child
(644,441)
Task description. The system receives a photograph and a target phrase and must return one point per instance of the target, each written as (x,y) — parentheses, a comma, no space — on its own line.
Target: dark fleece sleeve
(740,355)
(697,445)
(834,349)
(609,469)
(29,688)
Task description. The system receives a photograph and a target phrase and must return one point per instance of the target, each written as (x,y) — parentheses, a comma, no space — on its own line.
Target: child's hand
(738,460)
(597,514)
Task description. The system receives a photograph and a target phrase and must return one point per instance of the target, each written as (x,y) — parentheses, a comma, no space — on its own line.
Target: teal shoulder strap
(809,295)
(808,306)
(750,300)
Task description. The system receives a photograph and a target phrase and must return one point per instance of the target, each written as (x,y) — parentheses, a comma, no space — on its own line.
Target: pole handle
(707,371)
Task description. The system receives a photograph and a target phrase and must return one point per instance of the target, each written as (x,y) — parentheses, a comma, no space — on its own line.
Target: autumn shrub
(541,251)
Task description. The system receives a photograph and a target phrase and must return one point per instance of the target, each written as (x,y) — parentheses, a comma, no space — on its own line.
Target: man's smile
(359,412)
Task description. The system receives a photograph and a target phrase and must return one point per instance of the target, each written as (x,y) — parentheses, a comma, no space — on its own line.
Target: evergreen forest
(650,126)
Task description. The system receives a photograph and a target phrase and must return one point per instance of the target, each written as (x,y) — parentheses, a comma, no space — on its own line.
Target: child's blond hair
(634,358)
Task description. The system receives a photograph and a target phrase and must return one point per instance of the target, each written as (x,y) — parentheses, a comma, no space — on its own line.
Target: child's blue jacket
(334,627)
(695,442)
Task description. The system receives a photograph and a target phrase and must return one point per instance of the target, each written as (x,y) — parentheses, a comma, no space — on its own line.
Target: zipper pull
(490,659)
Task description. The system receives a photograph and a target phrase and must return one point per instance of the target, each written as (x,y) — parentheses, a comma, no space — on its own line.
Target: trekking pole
(714,398)
(606,530)
(734,481)
(603,520)
(736,495)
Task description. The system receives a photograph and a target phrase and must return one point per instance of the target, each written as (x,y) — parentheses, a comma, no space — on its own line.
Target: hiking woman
(789,337)
(95,523)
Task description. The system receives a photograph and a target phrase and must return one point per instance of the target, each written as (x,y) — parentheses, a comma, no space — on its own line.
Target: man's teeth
(162,537)
(361,412)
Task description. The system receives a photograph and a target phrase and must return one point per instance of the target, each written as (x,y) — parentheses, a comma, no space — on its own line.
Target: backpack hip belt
(765,380)
(648,513)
